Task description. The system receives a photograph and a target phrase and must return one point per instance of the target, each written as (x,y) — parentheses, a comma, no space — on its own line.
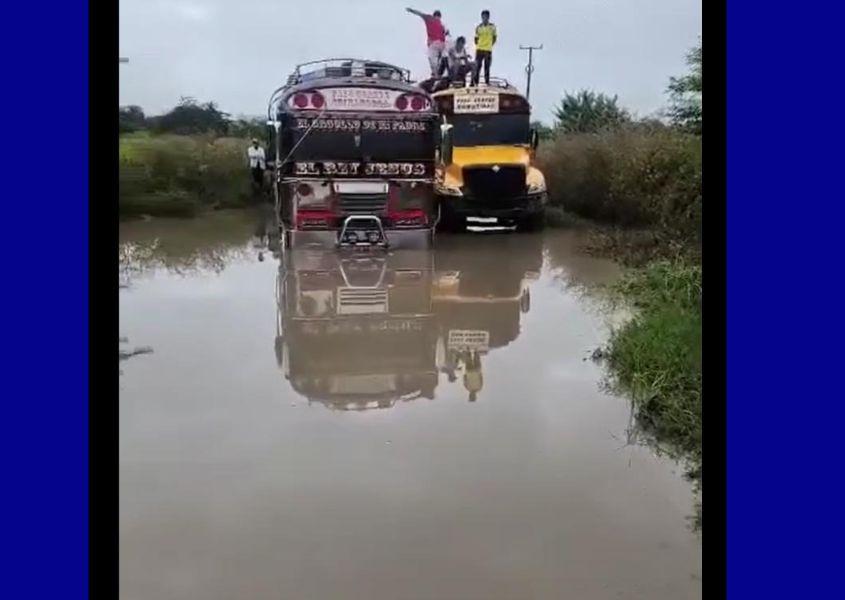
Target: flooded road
(428,426)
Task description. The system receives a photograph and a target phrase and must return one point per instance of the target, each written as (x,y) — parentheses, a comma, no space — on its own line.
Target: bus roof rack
(347,67)
(500,82)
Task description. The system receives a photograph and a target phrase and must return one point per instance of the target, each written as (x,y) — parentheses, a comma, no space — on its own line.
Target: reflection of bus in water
(481,290)
(357,333)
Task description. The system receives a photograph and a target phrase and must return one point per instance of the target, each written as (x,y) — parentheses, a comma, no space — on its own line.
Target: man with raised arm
(436,38)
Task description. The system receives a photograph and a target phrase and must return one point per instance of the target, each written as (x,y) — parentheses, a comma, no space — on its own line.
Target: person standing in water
(485,38)
(257,164)
(436,38)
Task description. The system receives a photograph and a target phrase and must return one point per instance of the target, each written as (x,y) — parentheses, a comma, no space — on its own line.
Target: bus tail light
(314,219)
(415,102)
(409,218)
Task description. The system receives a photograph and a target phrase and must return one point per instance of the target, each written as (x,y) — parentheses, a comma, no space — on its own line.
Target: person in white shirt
(459,61)
(257,163)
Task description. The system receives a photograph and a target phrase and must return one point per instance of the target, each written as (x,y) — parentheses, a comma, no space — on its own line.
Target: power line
(530,67)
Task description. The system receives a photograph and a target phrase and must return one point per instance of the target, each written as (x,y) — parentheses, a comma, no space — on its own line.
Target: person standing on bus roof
(485,38)
(436,37)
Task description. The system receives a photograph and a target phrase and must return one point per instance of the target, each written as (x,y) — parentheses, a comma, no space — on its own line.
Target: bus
(486,175)
(353,145)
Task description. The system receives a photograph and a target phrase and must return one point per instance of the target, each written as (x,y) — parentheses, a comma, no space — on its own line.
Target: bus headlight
(449,190)
(536,187)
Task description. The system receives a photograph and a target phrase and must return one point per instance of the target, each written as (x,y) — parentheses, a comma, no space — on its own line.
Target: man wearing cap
(436,38)
(257,164)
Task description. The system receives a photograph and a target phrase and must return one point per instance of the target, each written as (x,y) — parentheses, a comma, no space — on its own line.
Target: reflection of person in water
(473,379)
(452,364)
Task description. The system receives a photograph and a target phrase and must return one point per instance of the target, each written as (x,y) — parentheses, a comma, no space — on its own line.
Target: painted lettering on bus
(379,169)
(361,125)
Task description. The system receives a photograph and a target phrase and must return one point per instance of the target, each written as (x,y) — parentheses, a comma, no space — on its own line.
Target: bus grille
(363,204)
(485,182)
(362,301)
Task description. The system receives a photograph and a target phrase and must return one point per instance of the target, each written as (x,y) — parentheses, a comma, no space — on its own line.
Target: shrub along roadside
(176,175)
(631,177)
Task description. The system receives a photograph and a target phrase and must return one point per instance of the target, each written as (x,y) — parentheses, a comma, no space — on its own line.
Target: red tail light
(409,218)
(317,100)
(417,103)
(300,101)
(314,219)
(402,102)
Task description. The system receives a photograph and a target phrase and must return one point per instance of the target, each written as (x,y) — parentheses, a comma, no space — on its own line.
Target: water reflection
(185,247)
(358,332)
(479,300)
(216,444)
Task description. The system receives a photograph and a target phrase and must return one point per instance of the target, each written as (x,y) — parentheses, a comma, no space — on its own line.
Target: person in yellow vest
(485,38)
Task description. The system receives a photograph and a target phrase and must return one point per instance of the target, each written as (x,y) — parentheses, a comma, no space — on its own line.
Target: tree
(131,118)
(190,117)
(589,112)
(250,127)
(685,94)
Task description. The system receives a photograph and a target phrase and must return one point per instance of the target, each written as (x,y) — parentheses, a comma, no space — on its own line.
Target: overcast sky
(236,52)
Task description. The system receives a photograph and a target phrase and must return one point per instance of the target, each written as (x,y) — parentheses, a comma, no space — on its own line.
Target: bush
(630,177)
(192,171)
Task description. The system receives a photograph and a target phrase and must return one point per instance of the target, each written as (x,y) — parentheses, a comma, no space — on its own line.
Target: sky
(236,52)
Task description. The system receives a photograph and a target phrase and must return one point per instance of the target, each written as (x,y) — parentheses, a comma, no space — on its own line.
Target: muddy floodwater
(413,426)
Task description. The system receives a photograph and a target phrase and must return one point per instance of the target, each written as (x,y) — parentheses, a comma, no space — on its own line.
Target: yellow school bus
(486,173)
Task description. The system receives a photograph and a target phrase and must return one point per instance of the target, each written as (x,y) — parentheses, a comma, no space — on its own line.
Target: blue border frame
(785,221)
(45,198)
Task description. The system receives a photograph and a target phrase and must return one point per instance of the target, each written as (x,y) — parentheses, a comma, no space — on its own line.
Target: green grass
(177,175)
(656,358)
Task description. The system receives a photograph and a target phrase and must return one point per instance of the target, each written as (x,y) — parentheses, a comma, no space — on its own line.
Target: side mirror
(535,139)
(446,145)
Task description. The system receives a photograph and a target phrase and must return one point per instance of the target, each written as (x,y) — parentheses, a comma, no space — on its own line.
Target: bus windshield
(489,130)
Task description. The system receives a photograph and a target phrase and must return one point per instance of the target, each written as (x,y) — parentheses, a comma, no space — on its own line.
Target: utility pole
(530,67)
